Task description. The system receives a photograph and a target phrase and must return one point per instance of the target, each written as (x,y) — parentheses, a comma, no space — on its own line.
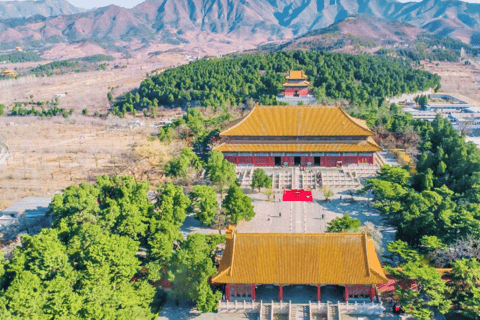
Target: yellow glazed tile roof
(296,75)
(300,258)
(332,147)
(298,121)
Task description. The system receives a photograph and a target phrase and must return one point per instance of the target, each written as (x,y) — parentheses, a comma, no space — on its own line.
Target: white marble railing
(363,308)
(276,308)
(252,306)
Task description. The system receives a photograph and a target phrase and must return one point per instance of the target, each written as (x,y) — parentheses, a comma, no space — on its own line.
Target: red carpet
(298,195)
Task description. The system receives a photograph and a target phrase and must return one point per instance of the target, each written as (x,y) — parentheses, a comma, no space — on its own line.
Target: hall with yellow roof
(298,136)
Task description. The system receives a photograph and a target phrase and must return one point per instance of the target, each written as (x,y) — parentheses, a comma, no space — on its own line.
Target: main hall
(298,136)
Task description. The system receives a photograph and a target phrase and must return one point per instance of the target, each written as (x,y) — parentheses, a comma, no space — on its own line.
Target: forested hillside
(231,80)
(88,265)
(436,211)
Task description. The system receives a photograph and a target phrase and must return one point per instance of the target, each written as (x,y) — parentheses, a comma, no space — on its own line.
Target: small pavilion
(296,84)
(348,260)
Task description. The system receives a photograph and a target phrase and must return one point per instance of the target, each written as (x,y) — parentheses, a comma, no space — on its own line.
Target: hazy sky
(88,4)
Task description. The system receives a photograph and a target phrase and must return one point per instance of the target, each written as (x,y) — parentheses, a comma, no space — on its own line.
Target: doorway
(297,161)
(317,161)
(333,294)
(278,161)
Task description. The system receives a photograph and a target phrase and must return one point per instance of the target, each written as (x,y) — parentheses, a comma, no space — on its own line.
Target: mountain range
(180,21)
(29,8)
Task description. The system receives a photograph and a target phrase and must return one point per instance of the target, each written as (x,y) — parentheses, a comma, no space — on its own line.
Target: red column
(227,292)
(254,297)
(372,293)
(346,293)
(318,293)
(281,293)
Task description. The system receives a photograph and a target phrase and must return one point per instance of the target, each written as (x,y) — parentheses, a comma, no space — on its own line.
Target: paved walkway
(185,311)
(389,158)
(284,217)
(312,216)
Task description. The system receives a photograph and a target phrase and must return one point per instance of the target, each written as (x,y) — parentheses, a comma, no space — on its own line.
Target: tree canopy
(191,269)
(237,205)
(343,224)
(183,166)
(436,210)
(220,171)
(465,286)
(204,204)
(423,291)
(87,266)
(82,267)
(231,80)
(261,180)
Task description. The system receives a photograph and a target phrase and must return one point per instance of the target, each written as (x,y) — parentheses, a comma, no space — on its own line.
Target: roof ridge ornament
(365,248)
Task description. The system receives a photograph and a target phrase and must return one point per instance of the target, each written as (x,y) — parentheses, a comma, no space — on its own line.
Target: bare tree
(463,249)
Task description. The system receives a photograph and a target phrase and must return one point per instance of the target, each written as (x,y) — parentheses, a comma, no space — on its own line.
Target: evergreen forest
(232,80)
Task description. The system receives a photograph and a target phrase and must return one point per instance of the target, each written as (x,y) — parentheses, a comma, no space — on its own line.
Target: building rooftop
(296,75)
(299,258)
(363,146)
(473,110)
(297,121)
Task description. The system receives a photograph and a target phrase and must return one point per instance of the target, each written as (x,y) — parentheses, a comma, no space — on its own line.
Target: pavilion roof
(298,121)
(300,258)
(368,145)
(296,75)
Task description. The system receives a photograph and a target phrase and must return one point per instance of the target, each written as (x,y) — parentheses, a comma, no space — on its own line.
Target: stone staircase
(297,179)
(266,312)
(311,178)
(245,176)
(299,312)
(332,312)
(379,160)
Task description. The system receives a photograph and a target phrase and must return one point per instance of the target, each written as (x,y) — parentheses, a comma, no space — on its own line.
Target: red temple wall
(326,161)
(306,160)
(263,161)
(290,160)
(291,91)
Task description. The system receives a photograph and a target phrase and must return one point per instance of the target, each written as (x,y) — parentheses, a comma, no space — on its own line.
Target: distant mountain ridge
(177,21)
(29,8)
(363,34)
(356,33)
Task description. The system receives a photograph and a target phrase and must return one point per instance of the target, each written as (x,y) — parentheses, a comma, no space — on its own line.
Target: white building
(419,114)
(465,121)
(446,104)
